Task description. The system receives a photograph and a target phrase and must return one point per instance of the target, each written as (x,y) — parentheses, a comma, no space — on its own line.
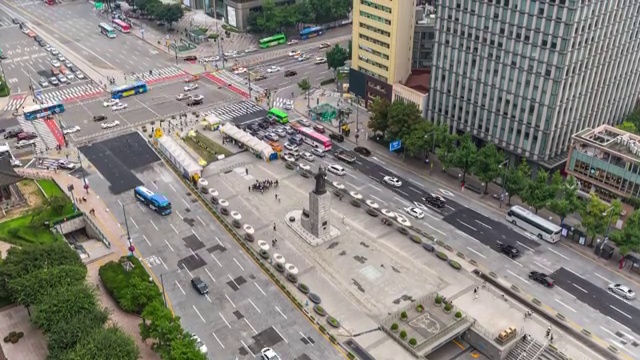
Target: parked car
(43,82)
(99,118)
(542,278)
(362,151)
(268,354)
(110,124)
(54,81)
(119,106)
(290,73)
(71,130)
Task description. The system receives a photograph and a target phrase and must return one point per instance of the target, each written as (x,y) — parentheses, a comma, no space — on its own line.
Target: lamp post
(504,181)
(126,225)
(606,233)
(433,145)
(84,179)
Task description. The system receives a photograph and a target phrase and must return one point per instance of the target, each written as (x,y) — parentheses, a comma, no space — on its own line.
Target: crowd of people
(264,185)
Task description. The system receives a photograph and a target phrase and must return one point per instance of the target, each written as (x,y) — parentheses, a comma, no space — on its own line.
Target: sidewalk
(451,183)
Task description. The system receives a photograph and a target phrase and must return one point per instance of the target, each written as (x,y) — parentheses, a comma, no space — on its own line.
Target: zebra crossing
(232,111)
(69,93)
(282,103)
(6,22)
(15,102)
(45,139)
(158,75)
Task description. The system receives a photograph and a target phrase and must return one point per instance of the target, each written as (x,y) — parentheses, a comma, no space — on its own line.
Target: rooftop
(419,81)
(425,15)
(609,138)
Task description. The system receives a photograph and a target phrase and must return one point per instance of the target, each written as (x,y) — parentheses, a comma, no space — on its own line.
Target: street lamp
(84,179)
(504,181)
(433,145)
(126,225)
(606,233)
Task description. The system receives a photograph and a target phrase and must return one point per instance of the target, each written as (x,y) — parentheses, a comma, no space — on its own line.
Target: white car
(292,42)
(231,53)
(321,60)
(390,180)
(336,169)
(110,124)
(290,146)
(48,48)
(61,58)
(199,344)
(71,130)
(303,58)
(54,51)
(622,291)
(70,75)
(55,63)
(273,69)
(25,143)
(196,97)
(182,96)
(241,70)
(268,354)
(65,164)
(80,75)
(119,106)
(317,152)
(190,87)
(293,53)
(307,156)
(210,59)
(111,102)
(415,212)
(250,50)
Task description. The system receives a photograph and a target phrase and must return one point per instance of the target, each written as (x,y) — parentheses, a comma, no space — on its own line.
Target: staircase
(531,349)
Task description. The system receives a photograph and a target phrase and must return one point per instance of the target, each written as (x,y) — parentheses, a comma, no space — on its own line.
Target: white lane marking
(378,160)
(557,253)
(251,326)
(180,216)
(609,331)
(134,223)
(172,188)
(629,336)
(140,206)
(225,320)
(174,229)
(518,276)
(350,184)
(483,224)
(198,312)
(603,278)
(467,235)
(259,288)
(180,287)
(249,350)
(467,225)
(579,288)
(434,229)
(525,246)
(451,207)
(194,233)
(219,242)
(227,296)
(214,258)
(573,272)
(154,225)
(565,305)
(214,335)
(211,276)
(208,298)
(201,220)
(304,336)
(186,203)
(542,266)
(163,264)
(566,292)
(353,176)
(166,242)
(416,183)
(280,311)
(234,282)
(185,267)
(147,240)
(515,262)
(375,187)
(402,201)
(237,263)
(414,189)
(402,192)
(482,256)
(254,305)
(621,312)
(431,216)
(194,254)
(274,328)
(379,200)
(154,184)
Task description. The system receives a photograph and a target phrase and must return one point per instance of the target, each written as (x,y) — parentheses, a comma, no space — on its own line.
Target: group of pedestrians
(263,186)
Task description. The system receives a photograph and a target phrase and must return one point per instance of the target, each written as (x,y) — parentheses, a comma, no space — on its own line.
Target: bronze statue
(321,178)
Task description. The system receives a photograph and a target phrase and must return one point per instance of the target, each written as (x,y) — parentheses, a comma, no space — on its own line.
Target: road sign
(38,93)
(395,145)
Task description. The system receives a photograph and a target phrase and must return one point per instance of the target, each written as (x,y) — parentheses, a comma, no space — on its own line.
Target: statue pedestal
(317,223)
(297,226)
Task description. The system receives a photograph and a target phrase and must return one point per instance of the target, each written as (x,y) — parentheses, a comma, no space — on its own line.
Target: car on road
(31,34)
(362,151)
(15,21)
(190,87)
(260,77)
(344,156)
(307,156)
(272,137)
(303,58)
(191,79)
(68,64)
(110,102)
(320,60)
(268,354)
(66,164)
(336,169)
(199,344)
(288,106)
(25,30)
(182,96)
(280,132)
(304,122)
(119,106)
(415,212)
(99,118)
(190,58)
(250,50)
(542,278)
(43,82)
(325,45)
(509,250)
(55,63)
(622,291)
(292,42)
(336,137)
(293,53)
(231,53)
(290,146)
(240,70)
(54,81)
(294,154)
(71,130)
(195,102)
(61,58)
(54,52)
(290,131)
(392,181)
(24,135)
(25,143)
(80,75)
(318,152)
(319,128)
(197,97)
(273,69)
(62,79)
(264,125)
(200,285)
(110,125)
(434,200)
(11,133)
(209,59)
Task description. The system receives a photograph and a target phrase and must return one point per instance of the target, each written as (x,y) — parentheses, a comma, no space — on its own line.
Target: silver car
(622,291)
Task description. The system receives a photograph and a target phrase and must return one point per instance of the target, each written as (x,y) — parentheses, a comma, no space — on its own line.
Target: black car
(200,285)
(436,201)
(290,73)
(263,125)
(190,58)
(253,127)
(509,250)
(11,133)
(15,21)
(194,102)
(362,151)
(37,38)
(336,137)
(99,117)
(542,278)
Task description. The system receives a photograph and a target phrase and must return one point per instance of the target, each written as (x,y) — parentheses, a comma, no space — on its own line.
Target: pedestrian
(246,171)
(276,196)
(548,331)
(279,200)
(551,338)
(475,296)
(274,226)
(273,243)
(249,188)
(343,219)
(475,290)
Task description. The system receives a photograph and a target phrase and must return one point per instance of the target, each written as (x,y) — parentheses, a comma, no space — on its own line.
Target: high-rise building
(424,37)
(528,74)
(381,46)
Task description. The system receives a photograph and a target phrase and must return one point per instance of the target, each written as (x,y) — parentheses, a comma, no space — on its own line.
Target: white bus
(543,229)
(107,30)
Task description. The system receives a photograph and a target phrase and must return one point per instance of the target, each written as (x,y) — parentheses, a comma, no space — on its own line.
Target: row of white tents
(252,143)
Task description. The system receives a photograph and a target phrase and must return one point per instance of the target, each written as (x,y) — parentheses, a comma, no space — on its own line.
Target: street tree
(517,179)
(379,115)
(336,57)
(64,336)
(465,155)
(184,348)
(161,326)
(417,141)
(487,167)
(57,203)
(596,215)
(135,297)
(566,201)
(104,344)
(269,20)
(446,150)
(350,49)
(305,86)
(172,13)
(628,239)
(64,304)
(538,192)
(31,288)
(403,116)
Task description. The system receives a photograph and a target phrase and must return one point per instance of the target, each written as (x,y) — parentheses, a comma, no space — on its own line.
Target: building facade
(236,12)
(424,37)
(528,74)
(381,46)
(606,161)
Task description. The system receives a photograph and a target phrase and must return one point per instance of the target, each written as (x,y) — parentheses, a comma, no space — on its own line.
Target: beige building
(382,46)
(415,90)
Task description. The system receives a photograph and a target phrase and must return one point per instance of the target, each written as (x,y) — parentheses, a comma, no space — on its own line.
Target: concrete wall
(72,225)
(486,346)
(407,94)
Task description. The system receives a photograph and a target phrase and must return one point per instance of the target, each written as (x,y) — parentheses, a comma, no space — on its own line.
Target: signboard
(231,16)
(395,145)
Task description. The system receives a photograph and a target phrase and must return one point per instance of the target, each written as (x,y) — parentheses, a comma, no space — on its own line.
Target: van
(296,140)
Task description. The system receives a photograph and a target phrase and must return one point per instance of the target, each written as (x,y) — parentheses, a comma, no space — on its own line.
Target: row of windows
(375,29)
(614,181)
(376,6)
(374,41)
(367,15)
(373,63)
(372,74)
(374,52)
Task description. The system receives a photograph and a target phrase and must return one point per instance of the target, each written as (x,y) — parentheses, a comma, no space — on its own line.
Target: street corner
(13,102)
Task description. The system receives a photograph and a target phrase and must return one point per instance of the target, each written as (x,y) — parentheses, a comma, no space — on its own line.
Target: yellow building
(381,46)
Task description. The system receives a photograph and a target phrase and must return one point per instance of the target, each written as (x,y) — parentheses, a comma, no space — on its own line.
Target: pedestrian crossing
(69,93)
(6,22)
(282,103)
(44,134)
(239,81)
(157,75)
(232,111)
(15,102)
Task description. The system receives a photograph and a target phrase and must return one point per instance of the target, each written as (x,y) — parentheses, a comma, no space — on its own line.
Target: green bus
(280,116)
(274,40)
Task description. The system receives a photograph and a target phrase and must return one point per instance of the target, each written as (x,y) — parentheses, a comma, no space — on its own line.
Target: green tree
(379,115)
(269,20)
(64,304)
(628,126)
(403,116)
(104,344)
(350,49)
(57,204)
(336,57)
(566,201)
(137,295)
(487,167)
(465,155)
(595,216)
(304,85)
(184,348)
(446,150)
(418,141)
(538,192)
(172,13)
(633,118)
(33,287)
(161,326)
(517,179)
(628,239)
(65,336)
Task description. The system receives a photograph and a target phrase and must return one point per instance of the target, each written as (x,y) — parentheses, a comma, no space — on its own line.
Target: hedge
(327,82)
(126,287)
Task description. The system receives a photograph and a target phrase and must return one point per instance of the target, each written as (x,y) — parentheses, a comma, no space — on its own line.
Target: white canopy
(179,157)
(251,142)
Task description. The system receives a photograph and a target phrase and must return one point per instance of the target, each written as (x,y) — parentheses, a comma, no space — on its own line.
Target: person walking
(274,226)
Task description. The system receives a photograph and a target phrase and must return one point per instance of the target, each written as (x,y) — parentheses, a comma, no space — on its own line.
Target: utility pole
(126,225)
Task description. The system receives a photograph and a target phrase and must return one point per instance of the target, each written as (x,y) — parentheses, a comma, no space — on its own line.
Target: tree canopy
(337,57)
(273,18)
(168,13)
(628,239)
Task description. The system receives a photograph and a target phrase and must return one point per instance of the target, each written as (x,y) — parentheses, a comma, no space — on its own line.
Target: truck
(344,156)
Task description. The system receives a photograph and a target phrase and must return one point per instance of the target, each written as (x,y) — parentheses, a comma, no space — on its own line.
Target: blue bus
(311,32)
(34,112)
(119,92)
(155,202)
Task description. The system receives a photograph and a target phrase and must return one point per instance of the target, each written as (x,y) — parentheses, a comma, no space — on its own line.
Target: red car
(319,128)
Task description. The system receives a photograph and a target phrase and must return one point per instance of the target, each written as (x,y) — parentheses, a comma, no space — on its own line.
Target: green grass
(50,188)
(196,144)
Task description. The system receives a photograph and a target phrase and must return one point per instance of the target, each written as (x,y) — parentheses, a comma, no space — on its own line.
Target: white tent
(251,142)
(179,157)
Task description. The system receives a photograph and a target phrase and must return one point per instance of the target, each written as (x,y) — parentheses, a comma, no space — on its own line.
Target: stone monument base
(296,225)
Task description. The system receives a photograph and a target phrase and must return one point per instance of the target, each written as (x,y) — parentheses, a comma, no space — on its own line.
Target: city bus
(311,32)
(534,224)
(121,26)
(34,112)
(122,91)
(313,138)
(280,116)
(107,30)
(274,40)
(156,202)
